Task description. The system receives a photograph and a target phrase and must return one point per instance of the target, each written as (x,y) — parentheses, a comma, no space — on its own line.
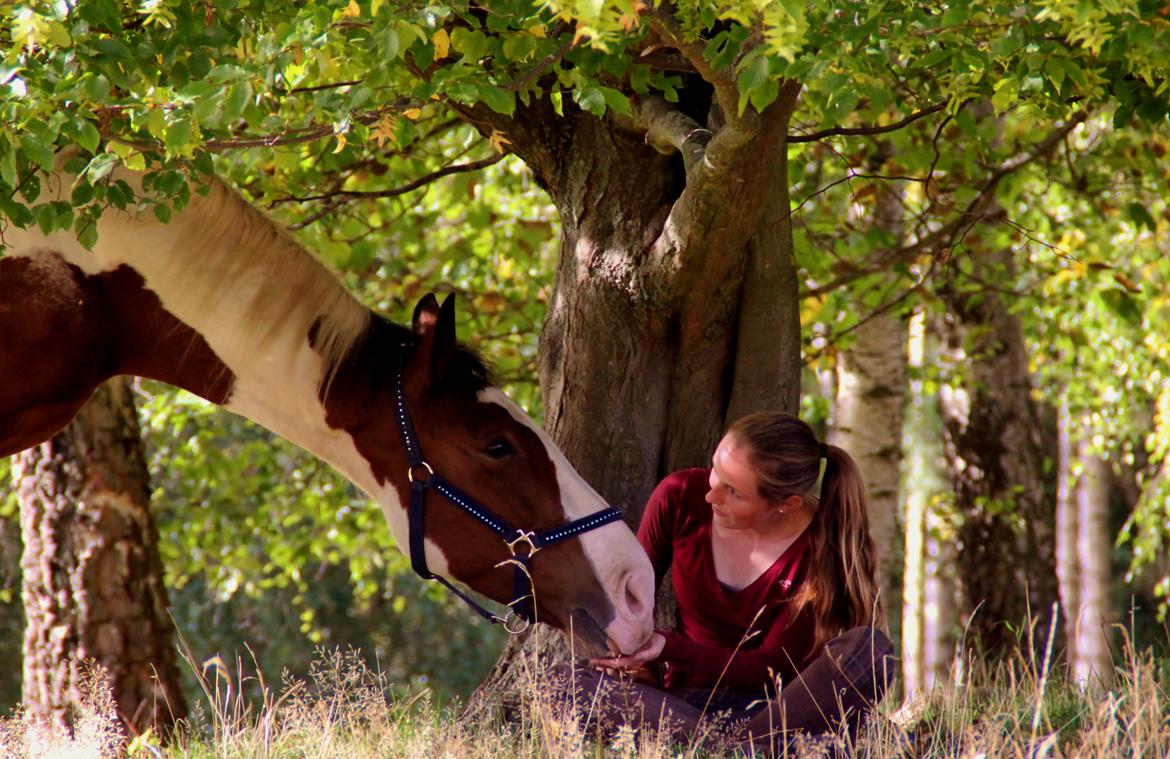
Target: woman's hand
(649,651)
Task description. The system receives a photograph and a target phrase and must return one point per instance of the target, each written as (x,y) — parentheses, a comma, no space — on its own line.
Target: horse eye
(498,449)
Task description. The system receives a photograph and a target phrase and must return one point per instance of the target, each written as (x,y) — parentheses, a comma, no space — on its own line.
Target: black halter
(522,544)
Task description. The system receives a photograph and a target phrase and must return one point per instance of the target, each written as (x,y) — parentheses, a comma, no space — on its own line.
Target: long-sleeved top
(714,620)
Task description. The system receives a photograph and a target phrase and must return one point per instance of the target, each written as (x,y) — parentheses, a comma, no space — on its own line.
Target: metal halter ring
(510,623)
(523,537)
(422,464)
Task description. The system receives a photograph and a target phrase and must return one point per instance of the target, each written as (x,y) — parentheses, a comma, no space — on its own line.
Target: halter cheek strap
(523,545)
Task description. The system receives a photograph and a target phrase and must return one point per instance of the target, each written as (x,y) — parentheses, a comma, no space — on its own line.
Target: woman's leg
(839,687)
(605,702)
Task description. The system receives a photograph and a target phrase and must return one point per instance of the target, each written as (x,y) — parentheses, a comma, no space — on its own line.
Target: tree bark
(675,303)
(996,451)
(867,418)
(929,583)
(1094,662)
(93,583)
(1067,563)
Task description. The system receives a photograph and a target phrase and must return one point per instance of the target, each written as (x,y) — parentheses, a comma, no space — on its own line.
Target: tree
(928,595)
(867,415)
(93,587)
(996,451)
(1095,613)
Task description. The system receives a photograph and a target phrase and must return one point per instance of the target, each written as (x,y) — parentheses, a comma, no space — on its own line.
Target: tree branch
(870,130)
(414,184)
(664,24)
(522,80)
(669,129)
(974,212)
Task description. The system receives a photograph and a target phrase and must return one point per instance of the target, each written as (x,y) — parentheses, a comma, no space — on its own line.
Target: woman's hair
(841,587)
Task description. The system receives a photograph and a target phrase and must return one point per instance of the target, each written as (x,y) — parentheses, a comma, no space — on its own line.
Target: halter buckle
(419,465)
(523,537)
(514,624)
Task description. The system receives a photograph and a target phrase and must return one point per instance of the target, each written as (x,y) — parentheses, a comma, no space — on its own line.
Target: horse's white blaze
(621,565)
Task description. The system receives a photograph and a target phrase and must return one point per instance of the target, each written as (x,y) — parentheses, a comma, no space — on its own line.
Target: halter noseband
(522,544)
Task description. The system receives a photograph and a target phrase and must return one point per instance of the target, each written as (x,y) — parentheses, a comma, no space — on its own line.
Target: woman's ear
(791,503)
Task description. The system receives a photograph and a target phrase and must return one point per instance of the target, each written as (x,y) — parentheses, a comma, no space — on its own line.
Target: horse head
(597,584)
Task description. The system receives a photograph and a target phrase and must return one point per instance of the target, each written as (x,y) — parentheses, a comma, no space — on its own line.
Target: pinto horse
(223,303)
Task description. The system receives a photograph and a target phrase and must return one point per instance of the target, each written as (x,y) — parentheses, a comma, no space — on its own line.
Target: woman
(776,580)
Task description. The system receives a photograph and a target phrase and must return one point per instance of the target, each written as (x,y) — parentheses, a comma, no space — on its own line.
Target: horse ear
(444,337)
(435,324)
(426,313)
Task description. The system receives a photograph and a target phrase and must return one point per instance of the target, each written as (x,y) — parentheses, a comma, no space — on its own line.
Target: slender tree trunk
(940,588)
(997,454)
(93,587)
(868,424)
(1094,662)
(867,417)
(1067,562)
(929,586)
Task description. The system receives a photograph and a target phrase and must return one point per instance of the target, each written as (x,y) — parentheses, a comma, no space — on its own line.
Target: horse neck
(274,318)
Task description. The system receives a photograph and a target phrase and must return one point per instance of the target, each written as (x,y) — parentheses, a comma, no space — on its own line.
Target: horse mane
(288,291)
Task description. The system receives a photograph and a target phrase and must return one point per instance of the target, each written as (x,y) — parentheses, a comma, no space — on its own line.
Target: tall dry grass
(345,709)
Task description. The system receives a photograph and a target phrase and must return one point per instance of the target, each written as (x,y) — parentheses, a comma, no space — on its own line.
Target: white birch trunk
(867,417)
(1067,565)
(928,605)
(1094,664)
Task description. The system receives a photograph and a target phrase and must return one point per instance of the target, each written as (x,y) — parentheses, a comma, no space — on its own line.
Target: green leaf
(470,43)
(753,71)
(179,134)
(156,123)
(7,164)
(82,193)
(592,99)
(112,47)
(86,229)
(238,95)
(500,101)
(88,136)
(46,217)
(841,104)
(616,101)
(17,213)
(162,212)
(100,166)
(519,47)
(37,151)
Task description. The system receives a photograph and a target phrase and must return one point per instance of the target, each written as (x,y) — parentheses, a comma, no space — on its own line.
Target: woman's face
(735,501)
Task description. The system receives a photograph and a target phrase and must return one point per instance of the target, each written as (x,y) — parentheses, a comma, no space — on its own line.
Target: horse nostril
(636,605)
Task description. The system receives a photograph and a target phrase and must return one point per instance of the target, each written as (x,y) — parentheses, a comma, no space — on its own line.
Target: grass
(345,709)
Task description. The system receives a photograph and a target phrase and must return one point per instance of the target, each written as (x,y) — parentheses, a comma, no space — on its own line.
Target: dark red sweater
(676,534)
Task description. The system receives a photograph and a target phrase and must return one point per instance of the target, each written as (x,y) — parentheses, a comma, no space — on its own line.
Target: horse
(223,303)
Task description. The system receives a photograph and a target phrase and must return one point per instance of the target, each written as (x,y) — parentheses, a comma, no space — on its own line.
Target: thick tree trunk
(997,452)
(93,587)
(656,334)
(1094,662)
